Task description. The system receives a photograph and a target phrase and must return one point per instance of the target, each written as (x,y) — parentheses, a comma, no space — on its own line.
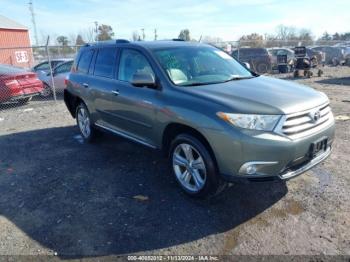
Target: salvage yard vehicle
(259,59)
(59,76)
(274,52)
(215,120)
(334,55)
(17,84)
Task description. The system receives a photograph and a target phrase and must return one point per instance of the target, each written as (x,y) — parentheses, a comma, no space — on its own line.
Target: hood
(261,95)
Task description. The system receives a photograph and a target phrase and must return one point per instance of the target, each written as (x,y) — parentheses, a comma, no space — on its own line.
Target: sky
(227,19)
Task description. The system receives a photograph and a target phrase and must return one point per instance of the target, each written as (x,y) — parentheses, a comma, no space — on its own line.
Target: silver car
(60,73)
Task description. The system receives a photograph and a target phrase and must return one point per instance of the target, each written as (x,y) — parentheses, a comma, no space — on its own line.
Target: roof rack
(122,41)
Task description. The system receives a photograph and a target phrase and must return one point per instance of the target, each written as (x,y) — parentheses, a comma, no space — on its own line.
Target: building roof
(6,23)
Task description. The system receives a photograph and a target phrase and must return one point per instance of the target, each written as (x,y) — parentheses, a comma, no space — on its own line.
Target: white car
(59,73)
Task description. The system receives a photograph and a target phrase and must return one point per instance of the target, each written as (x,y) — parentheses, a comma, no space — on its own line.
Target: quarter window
(105,62)
(132,62)
(84,62)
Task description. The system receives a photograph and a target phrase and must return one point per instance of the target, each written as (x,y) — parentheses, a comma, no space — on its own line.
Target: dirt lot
(61,196)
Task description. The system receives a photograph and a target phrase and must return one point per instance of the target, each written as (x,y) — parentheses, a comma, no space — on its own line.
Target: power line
(31,9)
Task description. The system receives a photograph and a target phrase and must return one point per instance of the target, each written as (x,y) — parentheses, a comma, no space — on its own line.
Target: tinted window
(64,68)
(84,62)
(43,66)
(105,62)
(132,62)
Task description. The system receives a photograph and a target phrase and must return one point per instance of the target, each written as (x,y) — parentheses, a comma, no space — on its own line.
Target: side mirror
(246,65)
(143,79)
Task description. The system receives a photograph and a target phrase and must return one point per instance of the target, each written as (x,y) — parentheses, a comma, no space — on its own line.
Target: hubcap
(189,167)
(84,122)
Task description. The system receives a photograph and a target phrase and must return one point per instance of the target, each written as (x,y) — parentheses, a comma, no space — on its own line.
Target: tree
(105,32)
(326,36)
(79,40)
(252,40)
(136,36)
(185,35)
(285,32)
(63,40)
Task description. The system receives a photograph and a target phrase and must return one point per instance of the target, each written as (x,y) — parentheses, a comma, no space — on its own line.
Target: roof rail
(121,41)
(177,39)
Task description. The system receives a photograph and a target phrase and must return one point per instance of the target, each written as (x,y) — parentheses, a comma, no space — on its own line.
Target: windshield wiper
(233,78)
(200,83)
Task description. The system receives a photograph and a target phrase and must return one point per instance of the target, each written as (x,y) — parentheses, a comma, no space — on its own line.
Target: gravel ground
(62,197)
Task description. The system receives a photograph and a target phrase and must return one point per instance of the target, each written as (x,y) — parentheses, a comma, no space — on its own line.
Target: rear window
(84,61)
(105,62)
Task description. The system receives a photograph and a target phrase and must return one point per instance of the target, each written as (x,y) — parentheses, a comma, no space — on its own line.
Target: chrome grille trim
(301,124)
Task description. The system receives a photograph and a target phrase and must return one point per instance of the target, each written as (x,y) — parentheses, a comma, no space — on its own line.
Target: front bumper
(277,157)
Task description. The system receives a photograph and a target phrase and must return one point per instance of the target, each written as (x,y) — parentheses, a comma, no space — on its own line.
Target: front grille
(305,123)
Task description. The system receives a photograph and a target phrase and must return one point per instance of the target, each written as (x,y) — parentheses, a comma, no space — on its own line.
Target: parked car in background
(346,52)
(281,51)
(317,57)
(17,84)
(59,74)
(333,55)
(258,58)
(44,67)
(213,118)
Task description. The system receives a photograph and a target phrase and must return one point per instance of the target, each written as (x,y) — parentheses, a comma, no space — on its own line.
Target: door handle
(115,92)
(85,85)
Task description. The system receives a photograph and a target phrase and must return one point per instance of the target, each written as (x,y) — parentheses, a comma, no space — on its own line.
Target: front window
(189,66)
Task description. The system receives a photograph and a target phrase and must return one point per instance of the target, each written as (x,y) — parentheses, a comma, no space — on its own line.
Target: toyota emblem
(317,115)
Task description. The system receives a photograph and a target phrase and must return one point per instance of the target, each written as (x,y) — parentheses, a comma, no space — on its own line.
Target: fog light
(251,169)
(254,167)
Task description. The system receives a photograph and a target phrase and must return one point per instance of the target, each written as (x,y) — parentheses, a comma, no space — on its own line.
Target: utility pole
(143,34)
(31,9)
(96,30)
(155,34)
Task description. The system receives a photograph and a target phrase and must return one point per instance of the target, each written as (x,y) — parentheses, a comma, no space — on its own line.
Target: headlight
(248,121)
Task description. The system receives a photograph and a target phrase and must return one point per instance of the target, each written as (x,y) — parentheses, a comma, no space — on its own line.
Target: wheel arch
(71,102)
(174,129)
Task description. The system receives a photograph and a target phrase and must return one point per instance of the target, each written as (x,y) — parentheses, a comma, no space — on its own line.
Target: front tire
(84,123)
(193,167)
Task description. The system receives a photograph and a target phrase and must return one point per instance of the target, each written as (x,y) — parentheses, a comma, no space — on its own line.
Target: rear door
(103,85)
(127,109)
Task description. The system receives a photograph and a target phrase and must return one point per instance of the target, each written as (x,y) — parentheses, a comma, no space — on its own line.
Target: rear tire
(84,123)
(47,92)
(262,68)
(194,168)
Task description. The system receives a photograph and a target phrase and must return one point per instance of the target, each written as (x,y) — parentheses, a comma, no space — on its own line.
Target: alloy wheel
(189,167)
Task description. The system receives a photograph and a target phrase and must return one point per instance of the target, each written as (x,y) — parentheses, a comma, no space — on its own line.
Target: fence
(33,74)
(52,64)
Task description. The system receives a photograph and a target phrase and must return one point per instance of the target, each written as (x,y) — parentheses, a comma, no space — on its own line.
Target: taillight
(66,81)
(11,83)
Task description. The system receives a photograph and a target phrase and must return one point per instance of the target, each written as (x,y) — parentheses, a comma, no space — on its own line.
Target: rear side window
(105,62)
(64,68)
(84,62)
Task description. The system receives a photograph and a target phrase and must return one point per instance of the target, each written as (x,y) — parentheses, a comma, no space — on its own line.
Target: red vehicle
(17,84)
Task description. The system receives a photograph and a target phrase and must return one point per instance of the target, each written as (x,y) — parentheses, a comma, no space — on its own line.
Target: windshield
(188,66)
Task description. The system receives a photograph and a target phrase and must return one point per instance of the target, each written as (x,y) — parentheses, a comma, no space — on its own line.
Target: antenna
(31,9)
(155,34)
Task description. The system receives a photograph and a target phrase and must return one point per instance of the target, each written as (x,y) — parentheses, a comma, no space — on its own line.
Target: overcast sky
(227,19)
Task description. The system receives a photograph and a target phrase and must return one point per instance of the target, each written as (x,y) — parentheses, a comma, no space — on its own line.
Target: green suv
(215,119)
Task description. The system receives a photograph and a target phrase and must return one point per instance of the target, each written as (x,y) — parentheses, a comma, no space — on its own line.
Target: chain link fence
(35,76)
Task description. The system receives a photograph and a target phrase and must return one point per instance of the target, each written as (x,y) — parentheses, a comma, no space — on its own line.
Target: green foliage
(185,35)
(105,32)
